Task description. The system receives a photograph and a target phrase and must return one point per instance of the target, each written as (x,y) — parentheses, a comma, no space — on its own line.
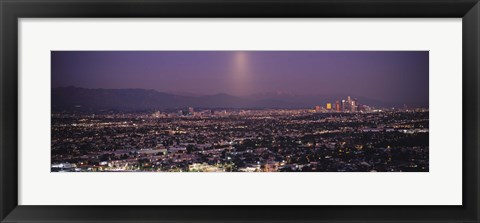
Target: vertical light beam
(240,73)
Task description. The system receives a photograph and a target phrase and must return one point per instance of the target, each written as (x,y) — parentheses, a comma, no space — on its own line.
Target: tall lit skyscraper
(353,105)
(349,104)
(329,106)
(337,106)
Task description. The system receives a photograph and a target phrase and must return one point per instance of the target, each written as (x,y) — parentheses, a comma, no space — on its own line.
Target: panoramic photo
(239,111)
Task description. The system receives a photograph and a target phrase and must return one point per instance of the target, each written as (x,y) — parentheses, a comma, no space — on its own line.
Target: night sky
(388,76)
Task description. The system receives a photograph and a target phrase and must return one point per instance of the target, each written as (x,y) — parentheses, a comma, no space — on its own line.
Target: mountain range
(84,99)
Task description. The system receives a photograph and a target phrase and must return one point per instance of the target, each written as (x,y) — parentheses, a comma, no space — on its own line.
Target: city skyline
(393,77)
(131,100)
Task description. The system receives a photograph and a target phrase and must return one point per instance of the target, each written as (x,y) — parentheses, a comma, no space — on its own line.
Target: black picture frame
(12,10)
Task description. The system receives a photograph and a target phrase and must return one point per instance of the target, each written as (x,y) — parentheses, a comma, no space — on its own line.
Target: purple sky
(389,76)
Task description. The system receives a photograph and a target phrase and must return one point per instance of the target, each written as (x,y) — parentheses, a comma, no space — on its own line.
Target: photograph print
(239,111)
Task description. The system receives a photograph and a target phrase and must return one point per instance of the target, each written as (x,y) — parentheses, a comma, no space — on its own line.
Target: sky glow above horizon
(390,76)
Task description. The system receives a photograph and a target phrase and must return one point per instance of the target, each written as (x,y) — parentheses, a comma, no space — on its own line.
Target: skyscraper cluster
(345,105)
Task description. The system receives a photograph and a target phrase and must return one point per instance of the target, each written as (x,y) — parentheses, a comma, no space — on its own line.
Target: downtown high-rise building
(329,106)
(337,106)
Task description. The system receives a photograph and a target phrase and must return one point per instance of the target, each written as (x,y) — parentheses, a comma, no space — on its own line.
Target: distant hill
(74,98)
(83,99)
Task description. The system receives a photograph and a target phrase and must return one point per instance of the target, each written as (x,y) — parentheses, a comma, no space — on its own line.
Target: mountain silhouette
(84,99)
